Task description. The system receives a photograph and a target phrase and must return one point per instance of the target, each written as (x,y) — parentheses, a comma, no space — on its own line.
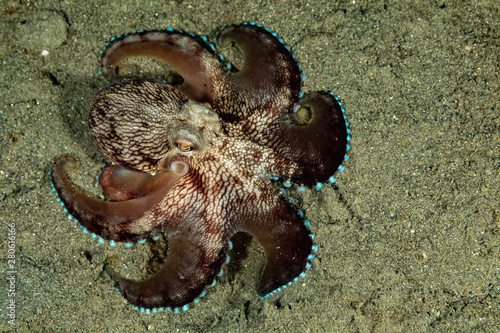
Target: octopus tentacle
(285,238)
(119,183)
(266,85)
(314,136)
(198,240)
(191,57)
(117,221)
(189,268)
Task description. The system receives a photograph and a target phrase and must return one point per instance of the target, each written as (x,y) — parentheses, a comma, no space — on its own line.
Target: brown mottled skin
(194,161)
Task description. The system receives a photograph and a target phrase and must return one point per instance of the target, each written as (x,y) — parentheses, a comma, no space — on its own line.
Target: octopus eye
(184,145)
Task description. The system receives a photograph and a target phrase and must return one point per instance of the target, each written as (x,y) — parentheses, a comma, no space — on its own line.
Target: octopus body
(195,160)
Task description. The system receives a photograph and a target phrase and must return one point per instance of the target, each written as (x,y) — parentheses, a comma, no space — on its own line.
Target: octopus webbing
(196,160)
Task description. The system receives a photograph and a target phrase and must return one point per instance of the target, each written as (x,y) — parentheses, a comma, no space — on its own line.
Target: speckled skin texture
(195,161)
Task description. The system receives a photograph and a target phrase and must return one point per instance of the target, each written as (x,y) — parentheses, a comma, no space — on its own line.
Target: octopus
(195,160)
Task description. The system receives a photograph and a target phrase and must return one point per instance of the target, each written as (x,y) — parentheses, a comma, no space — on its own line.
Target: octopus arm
(191,266)
(119,183)
(118,220)
(190,57)
(197,243)
(314,137)
(269,79)
(285,238)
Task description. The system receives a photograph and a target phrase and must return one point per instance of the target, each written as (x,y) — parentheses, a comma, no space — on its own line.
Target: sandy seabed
(408,236)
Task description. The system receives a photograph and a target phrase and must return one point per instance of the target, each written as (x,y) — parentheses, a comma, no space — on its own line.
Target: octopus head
(150,126)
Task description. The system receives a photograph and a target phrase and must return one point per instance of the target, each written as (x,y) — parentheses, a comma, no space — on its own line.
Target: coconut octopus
(195,160)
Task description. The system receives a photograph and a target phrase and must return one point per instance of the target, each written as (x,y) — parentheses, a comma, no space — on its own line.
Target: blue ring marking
(100,240)
(283,191)
(292,200)
(213,283)
(112,243)
(341,168)
(275,178)
(142,241)
(93,235)
(301,188)
(307,224)
(228,259)
(287,184)
(314,248)
(332,179)
(311,236)
(220,273)
(319,186)
(301,213)
(230,245)
(129,244)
